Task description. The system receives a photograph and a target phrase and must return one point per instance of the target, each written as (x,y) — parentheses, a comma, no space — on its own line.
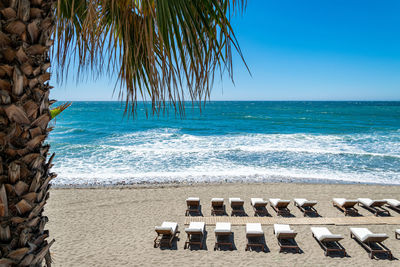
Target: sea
(96,144)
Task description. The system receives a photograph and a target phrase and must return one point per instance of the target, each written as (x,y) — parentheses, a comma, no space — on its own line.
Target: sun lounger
(346,205)
(259,206)
(254,235)
(397,234)
(393,204)
(370,241)
(280,206)
(193,206)
(217,206)
(328,241)
(237,206)
(375,206)
(195,234)
(223,235)
(166,234)
(285,237)
(306,206)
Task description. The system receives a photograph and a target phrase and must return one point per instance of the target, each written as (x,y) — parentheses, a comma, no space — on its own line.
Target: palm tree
(164,51)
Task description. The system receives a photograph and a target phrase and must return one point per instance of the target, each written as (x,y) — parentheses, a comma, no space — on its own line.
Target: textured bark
(25,30)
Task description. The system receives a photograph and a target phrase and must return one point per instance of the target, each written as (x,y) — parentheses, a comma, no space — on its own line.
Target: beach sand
(115,226)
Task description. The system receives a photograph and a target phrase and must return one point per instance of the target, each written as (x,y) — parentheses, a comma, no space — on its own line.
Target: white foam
(166,155)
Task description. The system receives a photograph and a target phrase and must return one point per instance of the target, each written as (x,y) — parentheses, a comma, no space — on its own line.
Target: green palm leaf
(161,50)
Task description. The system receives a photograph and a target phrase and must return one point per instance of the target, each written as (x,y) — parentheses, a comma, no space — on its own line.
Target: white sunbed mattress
(254,228)
(275,201)
(303,201)
(222,227)
(365,235)
(323,234)
(195,227)
(255,201)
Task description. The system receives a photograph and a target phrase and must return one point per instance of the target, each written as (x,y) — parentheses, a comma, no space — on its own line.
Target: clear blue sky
(302,50)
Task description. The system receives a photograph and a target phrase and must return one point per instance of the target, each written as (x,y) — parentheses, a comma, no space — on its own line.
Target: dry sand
(115,226)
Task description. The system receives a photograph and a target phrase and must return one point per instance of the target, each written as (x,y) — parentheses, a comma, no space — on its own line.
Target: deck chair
(193,206)
(370,241)
(374,206)
(223,235)
(259,206)
(346,205)
(328,241)
(306,206)
(285,237)
(195,234)
(237,206)
(397,234)
(393,204)
(166,233)
(254,235)
(217,206)
(280,206)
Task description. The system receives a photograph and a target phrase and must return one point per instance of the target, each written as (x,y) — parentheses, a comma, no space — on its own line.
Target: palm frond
(54,112)
(161,50)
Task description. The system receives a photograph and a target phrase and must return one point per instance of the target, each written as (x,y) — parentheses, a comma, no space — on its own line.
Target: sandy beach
(115,226)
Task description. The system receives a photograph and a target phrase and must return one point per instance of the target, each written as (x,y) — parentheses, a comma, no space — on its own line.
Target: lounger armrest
(163,230)
(375,238)
(286,234)
(330,238)
(193,230)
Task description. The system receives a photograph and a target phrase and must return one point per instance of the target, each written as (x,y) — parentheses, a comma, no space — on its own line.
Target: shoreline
(310,181)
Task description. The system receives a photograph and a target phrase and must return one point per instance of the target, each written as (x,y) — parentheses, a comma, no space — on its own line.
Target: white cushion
(343,201)
(235,199)
(221,227)
(366,201)
(365,235)
(276,201)
(171,226)
(282,229)
(193,199)
(398,231)
(217,199)
(255,201)
(323,234)
(393,202)
(254,228)
(195,227)
(303,201)
(369,202)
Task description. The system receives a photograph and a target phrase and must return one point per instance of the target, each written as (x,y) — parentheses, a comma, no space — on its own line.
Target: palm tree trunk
(26,27)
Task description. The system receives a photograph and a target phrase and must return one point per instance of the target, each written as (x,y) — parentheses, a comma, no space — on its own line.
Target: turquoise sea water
(229,141)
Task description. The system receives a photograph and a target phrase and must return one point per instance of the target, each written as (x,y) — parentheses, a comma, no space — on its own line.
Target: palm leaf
(161,50)
(54,112)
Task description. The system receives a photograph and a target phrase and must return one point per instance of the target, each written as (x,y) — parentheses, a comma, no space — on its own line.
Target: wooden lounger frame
(396,235)
(287,243)
(164,237)
(331,246)
(194,238)
(346,209)
(376,210)
(192,206)
(307,209)
(396,208)
(217,208)
(281,210)
(218,243)
(237,208)
(260,242)
(258,211)
(368,246)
